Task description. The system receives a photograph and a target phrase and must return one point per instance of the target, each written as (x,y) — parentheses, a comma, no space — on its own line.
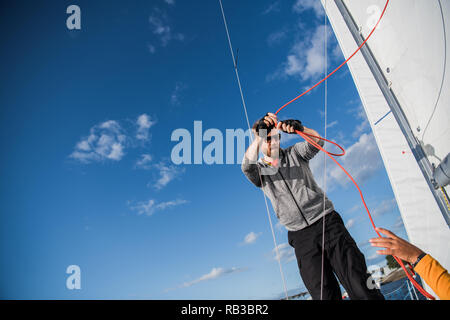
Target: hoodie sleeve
(435,276)
(306,150)
(251,171)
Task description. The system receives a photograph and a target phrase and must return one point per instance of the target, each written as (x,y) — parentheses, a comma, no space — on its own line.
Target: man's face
(271,146)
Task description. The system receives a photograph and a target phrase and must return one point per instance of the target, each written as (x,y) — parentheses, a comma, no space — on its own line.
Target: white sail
(404,65)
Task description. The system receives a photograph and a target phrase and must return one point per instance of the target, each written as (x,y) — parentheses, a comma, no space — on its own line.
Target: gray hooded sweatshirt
(296,198)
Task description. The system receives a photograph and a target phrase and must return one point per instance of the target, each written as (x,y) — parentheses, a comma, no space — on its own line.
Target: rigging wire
(324,158)
(251,137)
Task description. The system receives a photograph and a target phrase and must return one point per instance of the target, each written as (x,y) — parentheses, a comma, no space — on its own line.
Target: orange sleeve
(435,276)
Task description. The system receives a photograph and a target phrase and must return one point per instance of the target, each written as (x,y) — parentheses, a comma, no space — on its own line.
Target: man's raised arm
(249,163)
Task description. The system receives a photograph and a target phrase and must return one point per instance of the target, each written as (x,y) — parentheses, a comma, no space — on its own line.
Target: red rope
(308,137)
(342,64)
(399,261)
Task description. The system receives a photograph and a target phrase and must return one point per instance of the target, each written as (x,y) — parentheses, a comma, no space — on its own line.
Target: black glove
(296,124)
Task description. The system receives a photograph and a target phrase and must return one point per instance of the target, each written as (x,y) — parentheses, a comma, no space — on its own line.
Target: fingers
(387,233)
(385,252)
(288,128)
(390,245)
(382,242)
(270,119)
(285,127)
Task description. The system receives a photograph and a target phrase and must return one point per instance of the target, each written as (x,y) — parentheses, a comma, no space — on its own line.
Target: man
(300,205)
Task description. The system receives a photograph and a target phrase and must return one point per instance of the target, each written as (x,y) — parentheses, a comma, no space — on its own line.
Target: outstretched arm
(396,246)
(428,268)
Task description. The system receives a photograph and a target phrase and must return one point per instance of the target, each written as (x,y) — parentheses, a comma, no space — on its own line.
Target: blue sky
(86,120)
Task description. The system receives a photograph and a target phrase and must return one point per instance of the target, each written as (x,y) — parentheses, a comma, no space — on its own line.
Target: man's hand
(396,246)
(270,120)
(290,126)
(266,123)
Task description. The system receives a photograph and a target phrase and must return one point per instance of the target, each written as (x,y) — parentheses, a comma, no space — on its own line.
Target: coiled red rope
(308,137)
(399,261)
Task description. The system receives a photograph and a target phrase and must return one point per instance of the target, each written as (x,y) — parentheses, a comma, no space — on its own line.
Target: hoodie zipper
(293,198)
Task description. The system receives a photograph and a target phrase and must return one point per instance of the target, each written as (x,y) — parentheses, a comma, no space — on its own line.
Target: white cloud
(169,204)
(301,6)
(83,145)
(116,151)
(273,7)
(162,28)
(251,237)
(337,52)
(350,223)
(355,208)
(374,256)
(151,48)
(310,54)
(385,206)
(144,161)
(359,114)
(106,141)
(332,124)
(361,128)
(285,253)
(293,65)
(362,161)
(144,123)
(279,227)
(110,124)
(144,207)
(175,96)
(358,111)
(167,173)
(213,274)
(306,58)
(276,37)
(398,225)
(149,207)
(170,2)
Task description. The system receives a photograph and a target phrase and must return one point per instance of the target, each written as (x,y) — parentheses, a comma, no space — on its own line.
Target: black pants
(341,258)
